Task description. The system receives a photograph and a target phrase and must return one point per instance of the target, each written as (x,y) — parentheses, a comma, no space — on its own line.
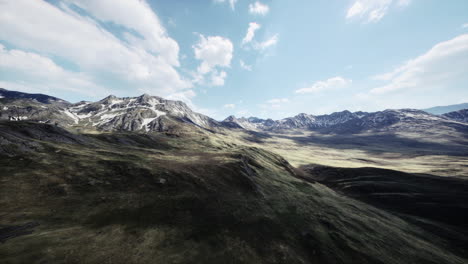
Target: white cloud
(184,96)
(274,103)
(41,72)
(245,66)
(267,43)
(249,36)
(258,8)
(243,113)
(404,2)
(372,10)
(229,106)
(446,61)
(20,86)
(43,28)
(278,100)
(138,16)
(332,83)
(214,52)
(232,3)
(217,78)
(250,32)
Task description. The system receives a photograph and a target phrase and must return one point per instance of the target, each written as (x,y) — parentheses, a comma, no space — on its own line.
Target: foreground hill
(153,198)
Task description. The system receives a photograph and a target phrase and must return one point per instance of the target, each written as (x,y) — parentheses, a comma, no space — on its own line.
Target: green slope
(156,198)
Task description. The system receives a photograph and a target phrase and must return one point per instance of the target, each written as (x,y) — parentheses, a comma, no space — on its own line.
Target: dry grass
(424,158)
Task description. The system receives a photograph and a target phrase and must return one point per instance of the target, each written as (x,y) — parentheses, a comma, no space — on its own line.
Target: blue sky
(246,57)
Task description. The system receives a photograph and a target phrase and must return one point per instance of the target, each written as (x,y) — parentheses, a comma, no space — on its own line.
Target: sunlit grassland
(331,150)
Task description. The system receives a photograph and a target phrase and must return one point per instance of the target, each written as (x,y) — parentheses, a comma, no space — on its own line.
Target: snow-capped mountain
(300,121)
(149,113)
(348,122)
(143,113)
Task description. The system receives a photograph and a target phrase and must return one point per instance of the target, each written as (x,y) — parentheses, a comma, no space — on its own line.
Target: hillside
(146,198)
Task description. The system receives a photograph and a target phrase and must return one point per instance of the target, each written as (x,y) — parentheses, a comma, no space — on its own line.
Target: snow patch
(73,116)
(84,115)
(109,116)
(159,113)
(146,122)
(80,106)
(115,101)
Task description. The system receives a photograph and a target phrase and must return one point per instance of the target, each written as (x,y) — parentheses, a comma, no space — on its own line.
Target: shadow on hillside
(257,137)
(417,197)
(381,143)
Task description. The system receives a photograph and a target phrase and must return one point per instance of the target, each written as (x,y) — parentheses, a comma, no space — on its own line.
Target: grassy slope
(127,198)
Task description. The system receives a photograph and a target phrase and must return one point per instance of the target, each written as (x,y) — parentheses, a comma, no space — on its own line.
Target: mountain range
(153,113)
(348,122)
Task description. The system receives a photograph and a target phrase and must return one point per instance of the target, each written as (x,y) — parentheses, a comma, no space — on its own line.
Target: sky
(267,58)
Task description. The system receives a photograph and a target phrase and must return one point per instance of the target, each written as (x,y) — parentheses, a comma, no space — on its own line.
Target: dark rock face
(231,122)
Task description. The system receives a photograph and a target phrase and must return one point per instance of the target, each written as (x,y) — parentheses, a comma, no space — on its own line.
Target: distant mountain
(300,121)
(347,122)
(42,98)
(460,116)
(440,110)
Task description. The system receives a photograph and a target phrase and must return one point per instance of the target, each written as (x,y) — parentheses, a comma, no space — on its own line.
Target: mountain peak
(108,98)
(230,118)
(145,95)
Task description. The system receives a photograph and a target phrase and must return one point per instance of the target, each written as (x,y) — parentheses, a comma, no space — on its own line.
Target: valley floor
(403,152)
